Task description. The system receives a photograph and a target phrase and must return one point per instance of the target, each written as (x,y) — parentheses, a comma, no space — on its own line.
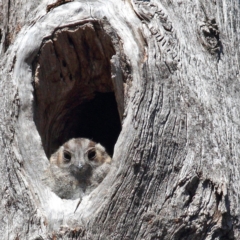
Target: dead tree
(156,82)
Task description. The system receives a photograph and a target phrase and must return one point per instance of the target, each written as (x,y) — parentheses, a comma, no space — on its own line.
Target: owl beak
(80,166)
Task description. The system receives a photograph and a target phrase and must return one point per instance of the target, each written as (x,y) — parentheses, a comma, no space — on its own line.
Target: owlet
(77,167)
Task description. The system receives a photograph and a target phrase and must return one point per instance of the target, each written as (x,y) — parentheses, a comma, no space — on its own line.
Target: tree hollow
(73,89)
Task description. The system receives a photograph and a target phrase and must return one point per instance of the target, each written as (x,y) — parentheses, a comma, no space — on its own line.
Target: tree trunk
(165,77)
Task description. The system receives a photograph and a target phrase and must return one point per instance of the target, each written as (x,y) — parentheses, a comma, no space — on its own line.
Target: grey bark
(174,69)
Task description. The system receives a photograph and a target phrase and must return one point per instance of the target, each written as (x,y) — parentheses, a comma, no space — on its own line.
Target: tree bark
(173,67)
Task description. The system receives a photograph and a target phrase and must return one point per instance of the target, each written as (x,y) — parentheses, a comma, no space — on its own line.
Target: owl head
(80,157)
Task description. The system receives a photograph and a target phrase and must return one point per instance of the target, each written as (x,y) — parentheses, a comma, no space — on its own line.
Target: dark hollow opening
(73,88)
(97,119)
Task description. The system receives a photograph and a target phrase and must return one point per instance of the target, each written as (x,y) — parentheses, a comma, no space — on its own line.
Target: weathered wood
(174,70)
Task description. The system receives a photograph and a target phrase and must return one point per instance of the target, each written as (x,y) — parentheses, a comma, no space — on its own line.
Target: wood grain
(174,69)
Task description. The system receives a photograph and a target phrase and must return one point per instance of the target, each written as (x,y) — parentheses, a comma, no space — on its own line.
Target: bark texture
(173,69)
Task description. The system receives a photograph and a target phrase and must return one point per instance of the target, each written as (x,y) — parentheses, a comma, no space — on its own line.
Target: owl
(77,167)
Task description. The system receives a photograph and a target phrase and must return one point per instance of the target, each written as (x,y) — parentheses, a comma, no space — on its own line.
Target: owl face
(80,156)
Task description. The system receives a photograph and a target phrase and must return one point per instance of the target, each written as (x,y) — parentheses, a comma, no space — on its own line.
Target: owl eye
(67,156)
(91,154)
